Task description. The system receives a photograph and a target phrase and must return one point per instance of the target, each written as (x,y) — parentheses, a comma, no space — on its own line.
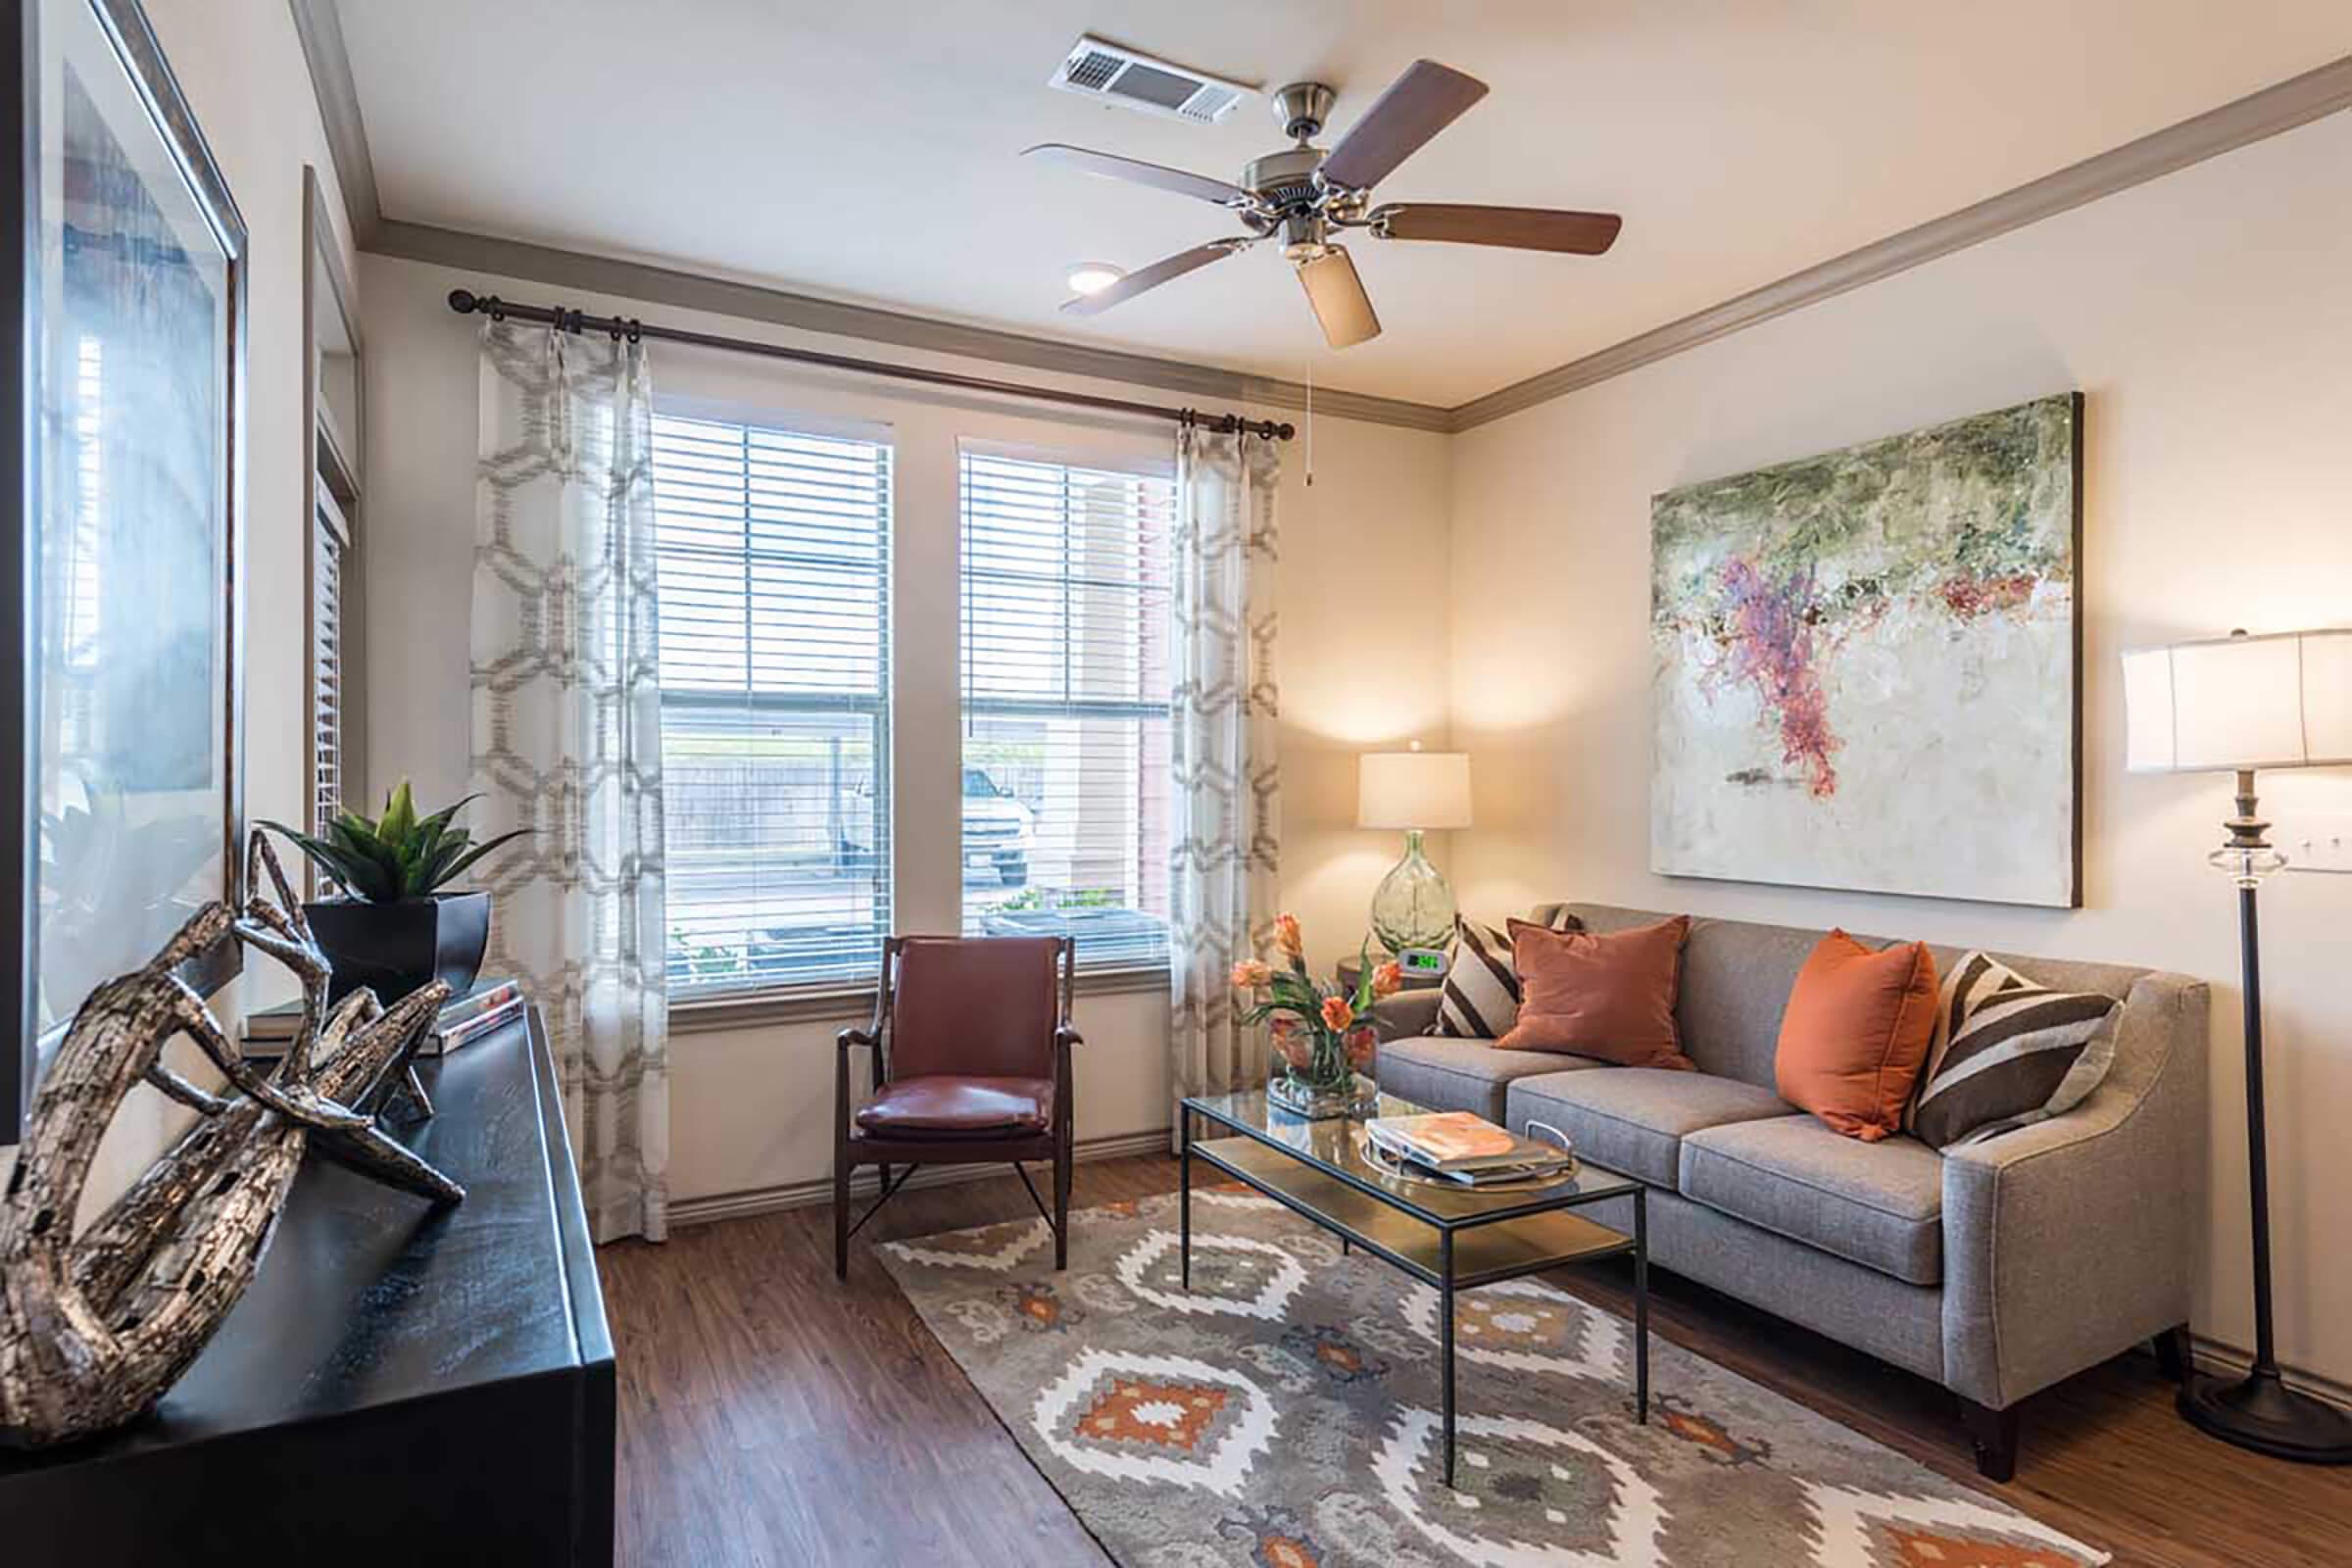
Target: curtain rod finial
(461,300)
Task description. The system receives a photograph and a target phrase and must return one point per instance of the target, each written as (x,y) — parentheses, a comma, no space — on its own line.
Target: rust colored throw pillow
(1855,1034)
(1606,995)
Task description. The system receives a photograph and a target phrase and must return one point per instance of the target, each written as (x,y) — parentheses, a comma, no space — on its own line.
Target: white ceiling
(865,149)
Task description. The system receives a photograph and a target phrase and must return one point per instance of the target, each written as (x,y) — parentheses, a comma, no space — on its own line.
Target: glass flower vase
(1315,1072)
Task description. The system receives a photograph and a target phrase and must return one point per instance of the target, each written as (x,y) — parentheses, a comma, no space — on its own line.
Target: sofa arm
(2074,1239)
(1406,1014)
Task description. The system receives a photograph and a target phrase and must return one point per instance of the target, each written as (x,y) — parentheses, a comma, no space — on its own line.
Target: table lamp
(2237,705)
(1419,791)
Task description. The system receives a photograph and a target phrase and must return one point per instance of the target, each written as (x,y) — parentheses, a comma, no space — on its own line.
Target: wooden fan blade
(1525,229)
(1340,302)
(1419,104)
(1137,172)
(1150,278)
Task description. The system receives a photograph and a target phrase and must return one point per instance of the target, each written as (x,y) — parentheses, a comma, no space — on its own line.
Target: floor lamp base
(2259,1413)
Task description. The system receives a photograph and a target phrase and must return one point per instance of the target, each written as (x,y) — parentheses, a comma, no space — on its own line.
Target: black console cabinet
(399,1386)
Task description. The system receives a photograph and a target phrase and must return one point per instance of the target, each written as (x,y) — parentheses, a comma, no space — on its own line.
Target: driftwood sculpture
(96,1325)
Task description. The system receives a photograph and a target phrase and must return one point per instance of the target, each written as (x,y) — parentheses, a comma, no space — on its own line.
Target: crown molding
(2297,101)
(698,291)
(321,29)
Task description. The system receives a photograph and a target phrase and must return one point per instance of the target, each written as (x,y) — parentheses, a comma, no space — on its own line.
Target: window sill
(855,1003)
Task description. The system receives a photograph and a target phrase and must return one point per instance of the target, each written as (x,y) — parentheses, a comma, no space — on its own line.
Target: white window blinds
(775,702)
(1066,704)
(330,549)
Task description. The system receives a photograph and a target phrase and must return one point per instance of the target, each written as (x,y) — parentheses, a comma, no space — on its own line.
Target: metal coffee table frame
(1450,1240)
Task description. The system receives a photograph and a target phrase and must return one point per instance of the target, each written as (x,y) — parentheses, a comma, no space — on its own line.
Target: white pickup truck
(998,831)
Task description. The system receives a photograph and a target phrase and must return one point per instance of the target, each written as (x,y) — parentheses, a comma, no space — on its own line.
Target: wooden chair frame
(852,1148)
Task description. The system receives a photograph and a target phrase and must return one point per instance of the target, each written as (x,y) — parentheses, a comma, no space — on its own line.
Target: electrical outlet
(2319,841)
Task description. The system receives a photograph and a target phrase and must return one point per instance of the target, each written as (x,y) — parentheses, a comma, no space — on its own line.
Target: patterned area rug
(1284,1414)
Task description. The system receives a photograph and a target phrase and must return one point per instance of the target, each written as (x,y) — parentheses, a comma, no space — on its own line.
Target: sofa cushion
(1854,1033)
(2009,1052)
(1736,976)
(1609,996)
(1878,1205)
(1480,999)
(1446,1075)
(1634,1119)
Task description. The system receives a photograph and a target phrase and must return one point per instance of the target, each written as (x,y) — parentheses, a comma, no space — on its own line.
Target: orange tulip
(1286,937)
(1388,979)
(1363,1045)
(1337,1014)
(1250,975)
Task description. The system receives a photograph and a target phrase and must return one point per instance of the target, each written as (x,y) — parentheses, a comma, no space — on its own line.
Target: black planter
(392,949)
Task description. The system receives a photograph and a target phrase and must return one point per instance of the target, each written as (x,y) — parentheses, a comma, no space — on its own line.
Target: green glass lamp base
(1412,907)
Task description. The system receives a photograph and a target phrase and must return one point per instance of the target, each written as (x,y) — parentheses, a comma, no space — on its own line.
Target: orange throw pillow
(1856,1033)
(1607,994)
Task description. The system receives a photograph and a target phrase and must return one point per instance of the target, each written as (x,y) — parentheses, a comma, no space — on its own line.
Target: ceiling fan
(1306,195)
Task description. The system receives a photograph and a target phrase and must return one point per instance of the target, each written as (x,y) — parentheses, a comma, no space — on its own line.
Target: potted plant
(394,929)
(1323,1035)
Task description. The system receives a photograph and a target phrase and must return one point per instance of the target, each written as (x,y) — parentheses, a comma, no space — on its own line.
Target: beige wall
(242,69)
(2208,320)
(1363,656)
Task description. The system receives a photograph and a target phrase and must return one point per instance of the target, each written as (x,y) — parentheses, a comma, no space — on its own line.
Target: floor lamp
(2238,705)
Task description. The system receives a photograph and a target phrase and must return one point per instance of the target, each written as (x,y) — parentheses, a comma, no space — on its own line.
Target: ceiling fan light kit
(1302,195)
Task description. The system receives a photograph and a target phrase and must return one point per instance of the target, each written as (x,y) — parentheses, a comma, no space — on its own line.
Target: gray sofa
(1995,1268)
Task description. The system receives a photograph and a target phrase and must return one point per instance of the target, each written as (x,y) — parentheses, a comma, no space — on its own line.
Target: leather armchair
(968,1063)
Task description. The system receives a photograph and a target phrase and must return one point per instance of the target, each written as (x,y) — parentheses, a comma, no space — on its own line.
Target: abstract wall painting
(1866,665)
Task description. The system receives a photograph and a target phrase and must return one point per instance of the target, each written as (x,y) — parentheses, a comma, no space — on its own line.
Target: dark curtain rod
(465,302)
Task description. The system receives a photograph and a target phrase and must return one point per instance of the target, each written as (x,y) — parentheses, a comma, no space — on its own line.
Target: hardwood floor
(769,1416)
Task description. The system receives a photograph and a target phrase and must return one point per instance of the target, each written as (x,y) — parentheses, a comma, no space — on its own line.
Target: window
(774,559)
(334,666)
(1066,704)
(331,775)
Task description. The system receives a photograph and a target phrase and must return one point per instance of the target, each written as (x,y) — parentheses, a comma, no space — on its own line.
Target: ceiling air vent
(1096,69)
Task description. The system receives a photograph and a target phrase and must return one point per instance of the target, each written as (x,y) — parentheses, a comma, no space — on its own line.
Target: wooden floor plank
(771,1417)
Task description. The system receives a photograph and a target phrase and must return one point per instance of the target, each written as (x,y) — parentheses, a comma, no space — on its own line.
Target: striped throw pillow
(2008,1052)
(1480,998)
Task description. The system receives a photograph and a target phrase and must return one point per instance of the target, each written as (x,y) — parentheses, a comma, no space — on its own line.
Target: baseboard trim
(808,1194)
(2222,1360)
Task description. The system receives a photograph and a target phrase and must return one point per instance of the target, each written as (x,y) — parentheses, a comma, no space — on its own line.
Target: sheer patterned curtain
(1227,801)
(567,739)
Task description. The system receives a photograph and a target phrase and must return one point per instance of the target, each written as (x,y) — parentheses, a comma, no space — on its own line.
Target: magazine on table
(490,1006)
(1465,1148)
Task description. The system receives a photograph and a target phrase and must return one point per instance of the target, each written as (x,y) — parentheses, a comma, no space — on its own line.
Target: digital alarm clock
(1429,963)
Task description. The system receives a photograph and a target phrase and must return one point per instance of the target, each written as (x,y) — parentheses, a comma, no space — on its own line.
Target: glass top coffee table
(1449,1237)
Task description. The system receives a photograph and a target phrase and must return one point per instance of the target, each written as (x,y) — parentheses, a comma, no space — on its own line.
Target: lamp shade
(1413,790)
(2282,700)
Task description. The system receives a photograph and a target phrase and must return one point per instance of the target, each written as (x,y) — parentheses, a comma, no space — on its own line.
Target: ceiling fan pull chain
(1310,424)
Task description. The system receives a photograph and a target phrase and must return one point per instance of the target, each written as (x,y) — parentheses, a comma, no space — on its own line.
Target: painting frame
(2007,596)
(164,131)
